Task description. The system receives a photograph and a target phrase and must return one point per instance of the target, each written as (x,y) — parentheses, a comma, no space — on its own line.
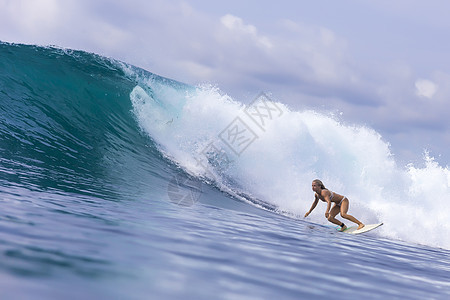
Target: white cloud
(425,88)
(237,25)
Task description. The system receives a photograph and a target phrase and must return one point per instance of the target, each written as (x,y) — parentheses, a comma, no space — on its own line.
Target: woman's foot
(361,226)
(343,227)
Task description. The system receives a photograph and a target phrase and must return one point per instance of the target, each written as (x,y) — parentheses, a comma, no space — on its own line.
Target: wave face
(66,125)
(73,122)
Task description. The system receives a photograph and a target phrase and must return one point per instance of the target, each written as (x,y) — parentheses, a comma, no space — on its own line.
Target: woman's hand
(327,215)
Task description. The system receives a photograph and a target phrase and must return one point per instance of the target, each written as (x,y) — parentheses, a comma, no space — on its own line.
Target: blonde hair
(320,183)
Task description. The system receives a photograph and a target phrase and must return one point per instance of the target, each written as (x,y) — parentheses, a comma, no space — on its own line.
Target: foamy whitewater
(291,149)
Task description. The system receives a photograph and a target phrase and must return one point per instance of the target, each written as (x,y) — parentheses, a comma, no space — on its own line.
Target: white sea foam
(195,128)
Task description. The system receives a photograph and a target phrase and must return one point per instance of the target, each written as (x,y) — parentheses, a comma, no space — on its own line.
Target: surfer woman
(340,205)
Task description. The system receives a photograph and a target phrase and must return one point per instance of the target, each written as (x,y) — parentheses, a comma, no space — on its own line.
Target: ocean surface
(116,183)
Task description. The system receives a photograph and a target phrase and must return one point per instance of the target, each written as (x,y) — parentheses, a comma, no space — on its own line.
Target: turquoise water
(116,183)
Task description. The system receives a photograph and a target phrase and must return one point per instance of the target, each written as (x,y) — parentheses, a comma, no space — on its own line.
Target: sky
(382,64)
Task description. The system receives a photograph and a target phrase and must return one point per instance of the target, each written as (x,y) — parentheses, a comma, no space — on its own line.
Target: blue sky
(381,63)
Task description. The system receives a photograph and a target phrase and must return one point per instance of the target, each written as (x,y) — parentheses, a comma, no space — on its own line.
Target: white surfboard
(366,228)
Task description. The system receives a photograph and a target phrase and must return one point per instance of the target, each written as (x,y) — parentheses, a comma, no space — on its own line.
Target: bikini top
(331,196)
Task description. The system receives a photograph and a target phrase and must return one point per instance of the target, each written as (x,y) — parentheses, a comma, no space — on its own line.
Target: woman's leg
(344,210)
(333,212)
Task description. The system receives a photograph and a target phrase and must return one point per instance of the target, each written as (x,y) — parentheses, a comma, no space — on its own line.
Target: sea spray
(295,148)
